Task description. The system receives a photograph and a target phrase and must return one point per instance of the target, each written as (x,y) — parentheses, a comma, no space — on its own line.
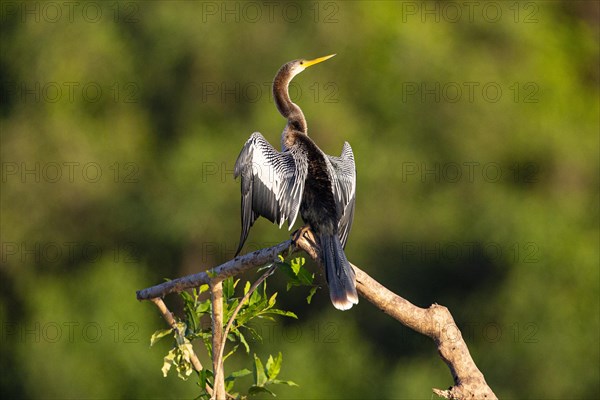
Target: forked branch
(435,322)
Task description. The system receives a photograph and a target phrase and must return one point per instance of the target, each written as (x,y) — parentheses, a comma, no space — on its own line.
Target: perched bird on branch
(302,178)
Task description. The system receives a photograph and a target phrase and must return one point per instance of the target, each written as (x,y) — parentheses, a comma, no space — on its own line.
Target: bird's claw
(304,233)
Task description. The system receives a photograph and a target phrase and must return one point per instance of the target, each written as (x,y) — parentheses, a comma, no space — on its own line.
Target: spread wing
(344,189)
(272,183)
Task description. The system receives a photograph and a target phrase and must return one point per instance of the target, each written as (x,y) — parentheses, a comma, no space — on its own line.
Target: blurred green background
(475,131)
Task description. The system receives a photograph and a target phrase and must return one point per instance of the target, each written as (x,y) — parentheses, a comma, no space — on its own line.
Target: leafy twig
(435,321)
(234,315)
(166,314)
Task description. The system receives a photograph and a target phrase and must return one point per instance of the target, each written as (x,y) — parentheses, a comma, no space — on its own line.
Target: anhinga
(276,185)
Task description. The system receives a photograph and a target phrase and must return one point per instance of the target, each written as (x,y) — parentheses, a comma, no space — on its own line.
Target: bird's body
(302,179)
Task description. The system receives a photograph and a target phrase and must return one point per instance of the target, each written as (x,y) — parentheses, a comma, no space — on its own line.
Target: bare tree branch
(435,322)
(231,268)
(216,298)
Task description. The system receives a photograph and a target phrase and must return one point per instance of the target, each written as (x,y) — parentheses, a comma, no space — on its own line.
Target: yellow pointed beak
(309,63)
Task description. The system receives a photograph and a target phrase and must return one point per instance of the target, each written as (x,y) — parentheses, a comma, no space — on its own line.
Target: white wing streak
(272,183)
(343,173)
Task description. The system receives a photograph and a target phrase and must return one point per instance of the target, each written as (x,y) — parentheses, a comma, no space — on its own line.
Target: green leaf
(282,312)
(228,309)
(260,378)
(266,316)
(297,274)
(239,374)
(186,297)
(228,288)
(255,297)
(269,366)
(297,264)
(192,318)
(243,341)
(287,270)
(274,366)
(254,333)
(264,289)
(272,300)
(203,307)
(203,288)
(259,389)
(305,277)
(156,336)
(202,378)
(278,382)
(247,287)
(229,386)
(312,292)
(168,362)
(230,353)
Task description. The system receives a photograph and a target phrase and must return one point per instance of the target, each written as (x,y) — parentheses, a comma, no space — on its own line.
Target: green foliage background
(134,184)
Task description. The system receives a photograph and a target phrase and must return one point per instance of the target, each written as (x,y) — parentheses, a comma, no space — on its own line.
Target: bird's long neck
(285,105)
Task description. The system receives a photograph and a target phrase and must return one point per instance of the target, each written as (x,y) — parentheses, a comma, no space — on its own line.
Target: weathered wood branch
(216,299)
(231,268)
(435,322)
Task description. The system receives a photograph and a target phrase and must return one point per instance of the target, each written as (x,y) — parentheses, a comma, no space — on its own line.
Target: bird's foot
(305,233)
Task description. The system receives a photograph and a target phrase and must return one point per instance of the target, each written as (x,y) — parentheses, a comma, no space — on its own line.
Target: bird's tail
(339,273)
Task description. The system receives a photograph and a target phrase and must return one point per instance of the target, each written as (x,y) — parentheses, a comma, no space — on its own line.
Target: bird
(302,179)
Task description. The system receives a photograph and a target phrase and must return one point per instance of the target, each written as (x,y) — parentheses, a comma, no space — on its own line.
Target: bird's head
(284,104)
(295,67)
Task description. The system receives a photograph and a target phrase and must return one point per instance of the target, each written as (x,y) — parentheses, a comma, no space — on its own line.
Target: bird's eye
(301,62)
